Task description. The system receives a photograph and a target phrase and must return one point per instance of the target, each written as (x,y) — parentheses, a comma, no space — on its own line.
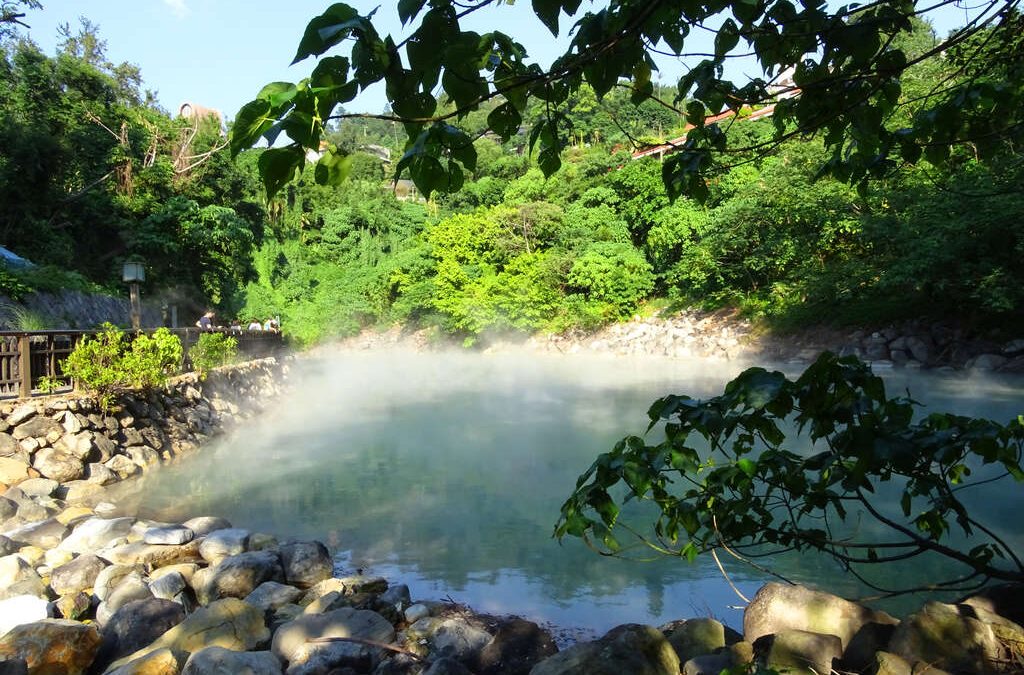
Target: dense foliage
(212,350)
(93,173)
(112,362)
(875,486)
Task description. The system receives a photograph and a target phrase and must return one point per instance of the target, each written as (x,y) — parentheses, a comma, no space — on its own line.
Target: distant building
(196,112)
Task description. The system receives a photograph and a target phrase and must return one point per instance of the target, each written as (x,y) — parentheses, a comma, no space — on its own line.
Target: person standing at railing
(205,322)
(255,325)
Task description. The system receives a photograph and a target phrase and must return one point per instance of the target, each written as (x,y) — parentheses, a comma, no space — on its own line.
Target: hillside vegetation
(93,172)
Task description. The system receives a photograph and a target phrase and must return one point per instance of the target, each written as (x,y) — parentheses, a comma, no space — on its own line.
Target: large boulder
(14,471)
(95,533)
(54,646)
(799,652)
(227,623)
(271,595)
(77,575)
(220,661)
(290,640)
(517,646)
(135,625)
(17,578)
(153,555)
(306,563)
(695,637)
(237,576)
(631,648)
(45,534)
(222,543)
(959,638)
(777,607)
(130,589)
(159,662)
(204,525)
(38,427)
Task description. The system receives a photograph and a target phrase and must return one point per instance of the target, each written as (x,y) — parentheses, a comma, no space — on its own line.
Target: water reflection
(447,473)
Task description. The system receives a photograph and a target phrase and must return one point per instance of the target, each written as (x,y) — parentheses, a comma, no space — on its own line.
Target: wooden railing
(26,358)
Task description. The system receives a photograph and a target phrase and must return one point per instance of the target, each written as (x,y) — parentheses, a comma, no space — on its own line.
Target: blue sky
(219,53)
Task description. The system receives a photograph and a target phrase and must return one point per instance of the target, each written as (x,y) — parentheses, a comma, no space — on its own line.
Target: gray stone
(344,622)
(77,445)
(227,623)
(22,413)
(168,586)
(105,447)
(168,535)
(38,487)
(416,612)
(306,563)
(633,649)
(45,534)
(122,466)
(707,664)
(7,547)
(37,427)
(51,646)
(69,421)
(777,607)
(205,524)
(58,465)
(19,609)
(799,651)
(96,533)
(920,349)
(517,646)
(73,606)
(237,576)
(154,555)
(13,471)
(135,625)
(220,661)
(452,637)
(396,596)
(77,575)
(322,658)
(271,595)
(158,662)
(99,474)
(143,456)
(108,579)
(222,543)
(957,638)
(130,589)
(696,637)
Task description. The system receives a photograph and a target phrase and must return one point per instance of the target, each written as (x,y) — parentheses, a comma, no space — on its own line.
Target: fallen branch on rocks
(370,643)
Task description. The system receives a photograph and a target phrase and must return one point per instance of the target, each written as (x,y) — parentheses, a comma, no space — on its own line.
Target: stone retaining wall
(70,448)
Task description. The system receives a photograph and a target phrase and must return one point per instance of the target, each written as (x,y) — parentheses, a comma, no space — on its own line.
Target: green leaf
(278,93)
(547,11)
(747,466)
(326,30)
(278,166)
(332,168)
(505,121)
(250,123)
(408,9)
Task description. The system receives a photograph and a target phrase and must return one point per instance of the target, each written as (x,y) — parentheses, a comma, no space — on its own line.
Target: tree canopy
(839,72)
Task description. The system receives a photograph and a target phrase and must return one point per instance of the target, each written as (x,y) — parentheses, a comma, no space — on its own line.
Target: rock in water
(632,648)
(306,563)
(237,576)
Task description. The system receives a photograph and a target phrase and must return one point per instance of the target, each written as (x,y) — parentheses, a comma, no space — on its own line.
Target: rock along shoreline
(83,590)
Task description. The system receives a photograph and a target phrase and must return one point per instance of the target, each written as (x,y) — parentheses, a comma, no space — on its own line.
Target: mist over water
(446,472)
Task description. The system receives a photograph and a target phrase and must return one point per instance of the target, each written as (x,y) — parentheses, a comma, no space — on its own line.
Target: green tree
(726,475)
(847,64)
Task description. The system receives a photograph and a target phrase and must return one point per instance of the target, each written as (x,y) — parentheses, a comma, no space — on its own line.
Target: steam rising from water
(446,472)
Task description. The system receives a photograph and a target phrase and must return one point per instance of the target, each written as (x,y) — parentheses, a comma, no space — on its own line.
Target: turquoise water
(447,473)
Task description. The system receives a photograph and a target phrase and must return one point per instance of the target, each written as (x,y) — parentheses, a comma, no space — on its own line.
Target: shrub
(613,273)
(212,350)
(108,364)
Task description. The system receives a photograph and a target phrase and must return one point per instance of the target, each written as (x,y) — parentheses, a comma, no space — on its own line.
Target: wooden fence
(27,358)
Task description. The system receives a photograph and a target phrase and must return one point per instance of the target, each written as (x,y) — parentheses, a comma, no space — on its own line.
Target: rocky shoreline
(724,335)
(83,590)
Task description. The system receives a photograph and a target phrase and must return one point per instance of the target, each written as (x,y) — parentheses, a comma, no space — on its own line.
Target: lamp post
(132,273)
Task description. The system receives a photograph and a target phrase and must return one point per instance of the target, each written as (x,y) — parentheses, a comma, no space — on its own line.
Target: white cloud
(179,8)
